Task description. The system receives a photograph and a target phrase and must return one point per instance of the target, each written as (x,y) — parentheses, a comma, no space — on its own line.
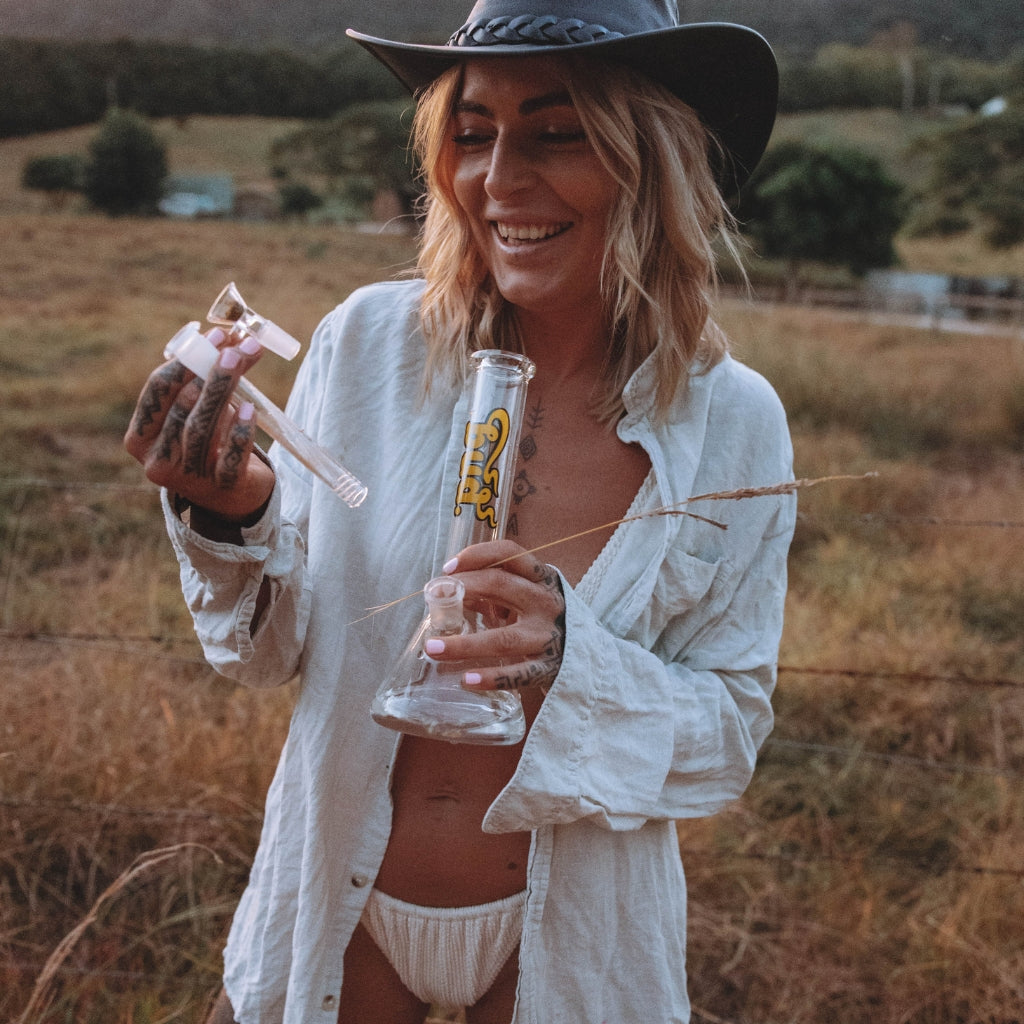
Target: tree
(835,206)
(127,166)
(56,175)
(362,150)
(977,180)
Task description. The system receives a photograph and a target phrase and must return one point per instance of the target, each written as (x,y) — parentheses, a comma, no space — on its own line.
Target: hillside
(989,29)
(240,146)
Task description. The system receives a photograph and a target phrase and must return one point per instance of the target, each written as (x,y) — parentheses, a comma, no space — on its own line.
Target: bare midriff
(438,855)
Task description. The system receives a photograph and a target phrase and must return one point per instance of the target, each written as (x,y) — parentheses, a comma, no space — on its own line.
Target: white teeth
(528,232)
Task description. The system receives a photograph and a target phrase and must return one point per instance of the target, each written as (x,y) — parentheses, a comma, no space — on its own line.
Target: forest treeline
(48,85)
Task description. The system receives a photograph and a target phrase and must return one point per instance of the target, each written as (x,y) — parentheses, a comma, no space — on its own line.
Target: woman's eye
(564,137)
(470,138)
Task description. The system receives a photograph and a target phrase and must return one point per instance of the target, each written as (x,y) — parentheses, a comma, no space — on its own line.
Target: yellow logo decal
(478,472)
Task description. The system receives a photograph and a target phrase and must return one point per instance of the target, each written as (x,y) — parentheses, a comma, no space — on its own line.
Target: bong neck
(497,400)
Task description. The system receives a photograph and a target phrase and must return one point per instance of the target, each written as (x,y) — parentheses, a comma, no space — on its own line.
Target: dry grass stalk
(676,509)
(42,995)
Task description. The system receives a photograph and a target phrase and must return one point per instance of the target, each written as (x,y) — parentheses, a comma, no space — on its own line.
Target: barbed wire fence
(184,651)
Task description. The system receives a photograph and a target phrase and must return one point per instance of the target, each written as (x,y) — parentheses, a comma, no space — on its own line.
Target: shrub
(56,175)
(297,199)
(834,205)
(127,166)
(977,178)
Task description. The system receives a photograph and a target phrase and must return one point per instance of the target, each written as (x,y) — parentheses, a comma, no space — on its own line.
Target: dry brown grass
(871,873)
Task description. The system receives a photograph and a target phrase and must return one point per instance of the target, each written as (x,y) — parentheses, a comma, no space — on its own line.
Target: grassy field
(872,871)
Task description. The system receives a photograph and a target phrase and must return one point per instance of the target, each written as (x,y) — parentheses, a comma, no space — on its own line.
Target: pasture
(872,871)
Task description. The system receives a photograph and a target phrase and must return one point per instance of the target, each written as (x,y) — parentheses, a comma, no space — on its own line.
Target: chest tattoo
(521,486)
(532,422)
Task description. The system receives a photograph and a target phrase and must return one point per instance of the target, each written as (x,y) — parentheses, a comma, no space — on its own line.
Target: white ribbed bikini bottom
(446,956)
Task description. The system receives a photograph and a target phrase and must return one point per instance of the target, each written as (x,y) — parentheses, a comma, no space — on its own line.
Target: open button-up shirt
(657,713)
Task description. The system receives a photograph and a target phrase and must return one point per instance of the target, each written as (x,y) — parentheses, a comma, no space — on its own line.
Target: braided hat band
(530,30)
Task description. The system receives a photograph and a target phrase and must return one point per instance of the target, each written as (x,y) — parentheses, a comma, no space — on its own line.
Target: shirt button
(359,881)
(329,1003)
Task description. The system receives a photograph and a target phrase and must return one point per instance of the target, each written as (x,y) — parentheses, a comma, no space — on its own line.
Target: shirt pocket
(680,593)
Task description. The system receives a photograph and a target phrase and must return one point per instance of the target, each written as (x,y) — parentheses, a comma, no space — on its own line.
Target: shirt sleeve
(628,734)
(221,582)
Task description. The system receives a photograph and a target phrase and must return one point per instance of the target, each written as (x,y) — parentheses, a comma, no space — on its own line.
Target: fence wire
(174,649)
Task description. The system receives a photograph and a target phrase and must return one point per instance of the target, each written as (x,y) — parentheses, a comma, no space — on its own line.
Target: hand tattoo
(544,669)
(170,436)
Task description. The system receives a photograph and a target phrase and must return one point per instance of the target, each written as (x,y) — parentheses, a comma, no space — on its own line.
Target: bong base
(453,716)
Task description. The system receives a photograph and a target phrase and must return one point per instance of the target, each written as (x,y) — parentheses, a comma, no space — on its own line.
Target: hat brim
(726,73)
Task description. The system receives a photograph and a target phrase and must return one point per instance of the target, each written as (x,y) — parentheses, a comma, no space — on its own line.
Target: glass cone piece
(230,310)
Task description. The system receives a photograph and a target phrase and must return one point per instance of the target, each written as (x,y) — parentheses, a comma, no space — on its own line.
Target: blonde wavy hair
(660,269)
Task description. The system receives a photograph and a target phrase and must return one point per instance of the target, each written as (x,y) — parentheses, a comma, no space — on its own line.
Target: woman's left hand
(522,597)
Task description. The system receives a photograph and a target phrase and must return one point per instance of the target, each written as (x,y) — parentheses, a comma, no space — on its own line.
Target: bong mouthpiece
(229,310)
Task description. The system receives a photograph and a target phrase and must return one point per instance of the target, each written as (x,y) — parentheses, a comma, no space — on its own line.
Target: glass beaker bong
(424,697)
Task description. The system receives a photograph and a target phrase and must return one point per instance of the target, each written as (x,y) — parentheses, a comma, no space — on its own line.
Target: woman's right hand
(191,439)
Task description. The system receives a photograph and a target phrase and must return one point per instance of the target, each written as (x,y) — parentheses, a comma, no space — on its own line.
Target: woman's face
(536,195)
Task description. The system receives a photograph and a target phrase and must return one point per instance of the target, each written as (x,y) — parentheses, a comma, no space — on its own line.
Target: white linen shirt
(657,713)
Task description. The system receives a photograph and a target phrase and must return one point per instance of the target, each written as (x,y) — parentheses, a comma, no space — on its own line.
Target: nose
(510,170)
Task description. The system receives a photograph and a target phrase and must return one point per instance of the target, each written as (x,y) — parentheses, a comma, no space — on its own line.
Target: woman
(575,165)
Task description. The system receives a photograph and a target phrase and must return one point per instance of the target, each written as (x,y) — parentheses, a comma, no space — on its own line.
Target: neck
(565,347)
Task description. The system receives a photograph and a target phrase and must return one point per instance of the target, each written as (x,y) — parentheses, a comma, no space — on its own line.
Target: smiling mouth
(529,232)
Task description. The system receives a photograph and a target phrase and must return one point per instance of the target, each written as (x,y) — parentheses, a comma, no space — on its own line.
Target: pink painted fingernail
(250,346)
(216,337)
(472,679)
(229,358)
(246,411)
(434,646)
(450,566)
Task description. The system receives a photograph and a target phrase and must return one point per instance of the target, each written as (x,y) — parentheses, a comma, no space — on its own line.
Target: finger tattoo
(527,675)
(161,385)
(234,454)
(197,454)
(170,436)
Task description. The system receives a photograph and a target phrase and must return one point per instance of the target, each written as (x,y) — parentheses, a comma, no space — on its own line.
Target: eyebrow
(527,107)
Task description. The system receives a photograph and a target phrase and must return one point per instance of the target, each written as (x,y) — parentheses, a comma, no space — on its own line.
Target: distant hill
(989,29)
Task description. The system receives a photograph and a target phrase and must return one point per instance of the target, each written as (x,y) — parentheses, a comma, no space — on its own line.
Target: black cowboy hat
(726,73)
